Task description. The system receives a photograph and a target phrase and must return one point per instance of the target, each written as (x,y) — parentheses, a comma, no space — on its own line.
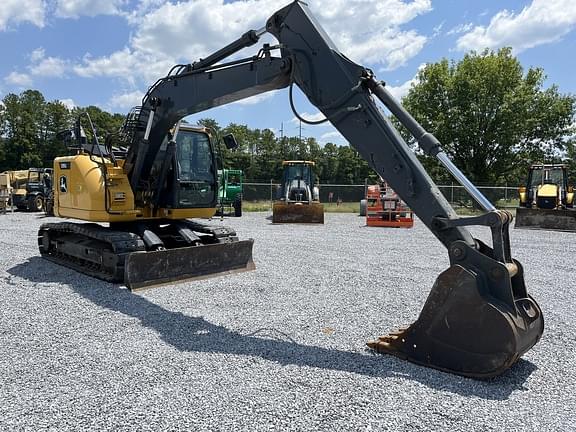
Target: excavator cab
(546,201)
(195,180)
(298,197)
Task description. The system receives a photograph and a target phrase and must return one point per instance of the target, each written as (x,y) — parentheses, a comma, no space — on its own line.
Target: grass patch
(354,207)
(258,206)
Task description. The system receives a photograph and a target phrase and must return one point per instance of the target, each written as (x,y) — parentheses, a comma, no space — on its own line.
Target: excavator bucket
(311,213)
(462,329)
(147,269)
(546,219)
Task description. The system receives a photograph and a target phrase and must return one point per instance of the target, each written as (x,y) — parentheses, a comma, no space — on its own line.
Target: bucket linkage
(478,318)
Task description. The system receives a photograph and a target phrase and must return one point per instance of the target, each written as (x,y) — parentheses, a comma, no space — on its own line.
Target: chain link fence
(500,196)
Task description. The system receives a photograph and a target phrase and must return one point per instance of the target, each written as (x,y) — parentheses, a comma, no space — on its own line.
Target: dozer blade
(546,219)
(464,330)
(147,269)
(298,213)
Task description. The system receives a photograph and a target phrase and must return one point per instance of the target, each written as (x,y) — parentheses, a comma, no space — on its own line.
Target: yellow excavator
(478,319)
(149,239)
(547,201)
(298,199)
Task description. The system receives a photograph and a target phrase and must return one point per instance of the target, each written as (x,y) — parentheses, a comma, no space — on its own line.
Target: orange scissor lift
(384,208)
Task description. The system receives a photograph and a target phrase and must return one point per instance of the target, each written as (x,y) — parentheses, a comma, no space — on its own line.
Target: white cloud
(17,11)
(391,50)
(77,8)
(460,28)
(37,54)
(19,79)
(372,33)
(126,100)
(46,66)
(543,21)
(334,137)
(402,90)
(125,64)
(438,29)
(327,136)
(68,103)
(166,33)
(119,63)
(317,116)
(40,66)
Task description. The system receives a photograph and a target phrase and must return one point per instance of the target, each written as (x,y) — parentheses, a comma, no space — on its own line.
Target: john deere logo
(63,184)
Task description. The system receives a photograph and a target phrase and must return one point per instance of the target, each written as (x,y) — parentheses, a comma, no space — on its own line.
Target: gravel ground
(280,348)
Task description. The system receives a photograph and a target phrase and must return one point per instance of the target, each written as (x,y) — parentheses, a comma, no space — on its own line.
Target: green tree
(104,122)
(492,119)
(22,119)
(351,168)
(57,118)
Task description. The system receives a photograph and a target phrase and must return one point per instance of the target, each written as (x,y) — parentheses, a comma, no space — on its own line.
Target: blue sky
(107,52)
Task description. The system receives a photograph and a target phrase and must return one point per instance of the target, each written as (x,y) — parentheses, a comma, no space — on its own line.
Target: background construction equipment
(547,201)
(298,197)
(230,192)
(384,208)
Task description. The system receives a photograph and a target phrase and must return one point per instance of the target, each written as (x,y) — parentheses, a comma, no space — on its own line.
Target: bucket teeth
(375,345)
(386,343)
(398,332)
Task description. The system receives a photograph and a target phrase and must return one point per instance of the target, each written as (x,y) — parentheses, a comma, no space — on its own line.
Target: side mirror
(230,142)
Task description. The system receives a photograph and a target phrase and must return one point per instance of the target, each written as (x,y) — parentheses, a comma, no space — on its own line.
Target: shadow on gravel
(188,333)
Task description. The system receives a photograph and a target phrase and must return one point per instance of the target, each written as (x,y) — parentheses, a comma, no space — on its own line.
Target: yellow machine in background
(298,199)
(29,188)
(16,182)
(5,191)
(547,202)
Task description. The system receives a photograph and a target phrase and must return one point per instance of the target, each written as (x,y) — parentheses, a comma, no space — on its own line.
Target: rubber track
(119,242)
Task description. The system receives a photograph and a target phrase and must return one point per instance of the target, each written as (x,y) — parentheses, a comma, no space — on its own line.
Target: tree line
(29,127)
(493,119)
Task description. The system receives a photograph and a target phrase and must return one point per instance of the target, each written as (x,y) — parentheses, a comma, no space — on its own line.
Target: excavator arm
(478,319)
